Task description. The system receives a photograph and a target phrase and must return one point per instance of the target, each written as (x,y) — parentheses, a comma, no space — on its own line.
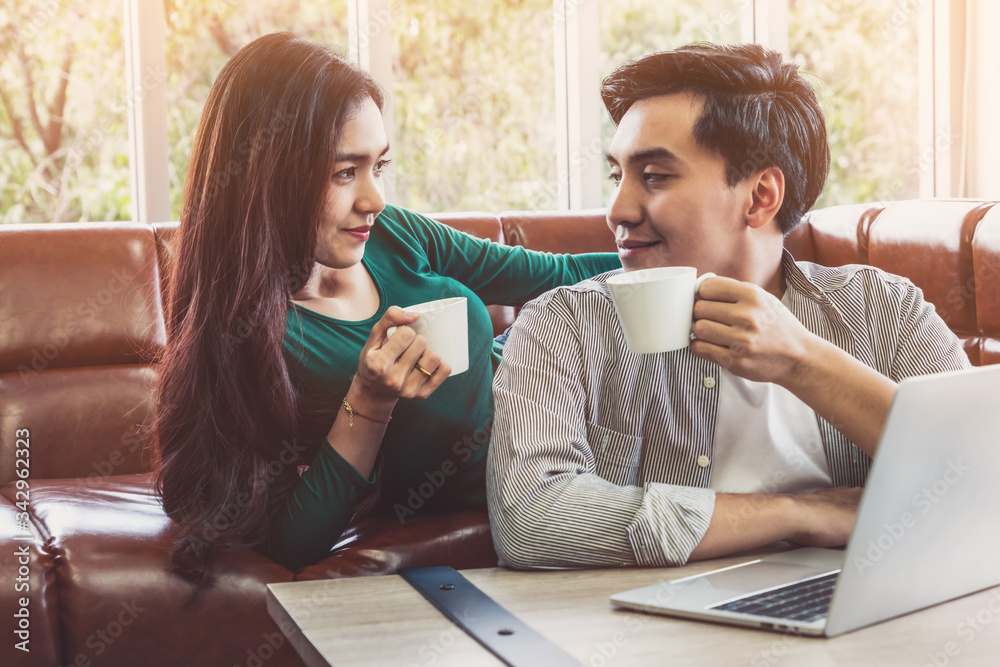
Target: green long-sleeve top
(433,454)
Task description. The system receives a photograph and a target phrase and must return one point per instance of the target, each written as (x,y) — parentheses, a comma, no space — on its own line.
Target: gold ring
(424,370)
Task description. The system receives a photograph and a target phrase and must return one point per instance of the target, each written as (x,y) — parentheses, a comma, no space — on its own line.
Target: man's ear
(767,194)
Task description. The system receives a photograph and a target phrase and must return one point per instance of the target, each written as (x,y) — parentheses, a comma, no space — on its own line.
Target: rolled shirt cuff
(670,523)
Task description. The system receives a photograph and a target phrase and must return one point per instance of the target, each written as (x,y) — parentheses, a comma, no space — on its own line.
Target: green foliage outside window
(863,58)
(631,29)
(202,36)
(473,93)
(474,103)
(63,120)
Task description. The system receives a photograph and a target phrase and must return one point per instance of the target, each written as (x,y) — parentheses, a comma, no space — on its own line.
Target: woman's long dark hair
(257,180)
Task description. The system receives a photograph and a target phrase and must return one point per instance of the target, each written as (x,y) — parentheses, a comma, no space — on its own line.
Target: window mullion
(370,38)
(144,25)
(769,24)
(578,109)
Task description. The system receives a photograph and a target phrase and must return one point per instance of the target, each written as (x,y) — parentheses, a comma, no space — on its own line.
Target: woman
(280,389)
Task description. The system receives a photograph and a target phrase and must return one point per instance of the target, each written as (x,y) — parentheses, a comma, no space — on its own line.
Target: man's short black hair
(758,113)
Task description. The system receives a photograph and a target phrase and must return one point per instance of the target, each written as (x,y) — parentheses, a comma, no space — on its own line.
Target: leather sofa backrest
(80,322)
(931,244)
(986,274)
(559,231)
(950,249)
(81,315)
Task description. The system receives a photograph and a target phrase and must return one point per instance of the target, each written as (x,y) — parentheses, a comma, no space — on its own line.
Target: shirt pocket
(616,455)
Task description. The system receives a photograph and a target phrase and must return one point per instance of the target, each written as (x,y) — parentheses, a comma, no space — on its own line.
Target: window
(864,56)
(634,28)
(202,36)
(492,105)
(63,124)
(474,105)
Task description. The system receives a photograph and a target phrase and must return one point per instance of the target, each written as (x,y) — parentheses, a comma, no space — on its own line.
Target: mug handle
(700,279)
(697,285)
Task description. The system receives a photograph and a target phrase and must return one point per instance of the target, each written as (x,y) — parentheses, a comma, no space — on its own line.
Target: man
(763,430)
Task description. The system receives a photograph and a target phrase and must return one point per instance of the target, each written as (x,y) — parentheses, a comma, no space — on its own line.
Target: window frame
(576,25)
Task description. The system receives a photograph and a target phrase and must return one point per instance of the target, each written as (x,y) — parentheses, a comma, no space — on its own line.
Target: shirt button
(703,461)
(709,382)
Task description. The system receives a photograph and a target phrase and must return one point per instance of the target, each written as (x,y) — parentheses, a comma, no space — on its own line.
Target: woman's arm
(498,274)
(307,515)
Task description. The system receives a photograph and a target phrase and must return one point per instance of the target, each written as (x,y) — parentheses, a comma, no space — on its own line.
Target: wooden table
(382,621)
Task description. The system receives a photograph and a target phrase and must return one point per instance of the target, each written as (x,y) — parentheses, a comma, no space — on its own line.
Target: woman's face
(354,196)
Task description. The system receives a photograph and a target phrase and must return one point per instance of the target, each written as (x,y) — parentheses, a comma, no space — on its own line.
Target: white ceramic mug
(656,306)
(445,325)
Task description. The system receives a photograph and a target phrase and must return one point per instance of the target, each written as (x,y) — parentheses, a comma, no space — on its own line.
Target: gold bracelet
(351,412)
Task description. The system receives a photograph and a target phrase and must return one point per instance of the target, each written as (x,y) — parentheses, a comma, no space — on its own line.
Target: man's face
(672,205)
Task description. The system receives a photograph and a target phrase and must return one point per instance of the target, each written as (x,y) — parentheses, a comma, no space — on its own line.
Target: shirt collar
(797,280)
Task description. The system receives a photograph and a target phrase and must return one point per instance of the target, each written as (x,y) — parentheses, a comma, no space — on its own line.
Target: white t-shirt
(766,440)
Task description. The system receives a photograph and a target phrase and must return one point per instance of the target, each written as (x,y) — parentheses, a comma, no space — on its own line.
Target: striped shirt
(601,457)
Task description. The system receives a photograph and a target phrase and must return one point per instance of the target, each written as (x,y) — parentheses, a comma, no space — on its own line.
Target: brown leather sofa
(80,306)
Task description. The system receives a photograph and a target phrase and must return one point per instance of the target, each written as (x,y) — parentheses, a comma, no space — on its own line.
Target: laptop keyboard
(805,601)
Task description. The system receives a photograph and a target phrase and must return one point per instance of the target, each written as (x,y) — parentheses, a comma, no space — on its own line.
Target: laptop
(926,529)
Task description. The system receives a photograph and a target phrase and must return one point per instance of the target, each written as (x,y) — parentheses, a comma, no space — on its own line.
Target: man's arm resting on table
(549,508)
(749,520)
(655,532)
